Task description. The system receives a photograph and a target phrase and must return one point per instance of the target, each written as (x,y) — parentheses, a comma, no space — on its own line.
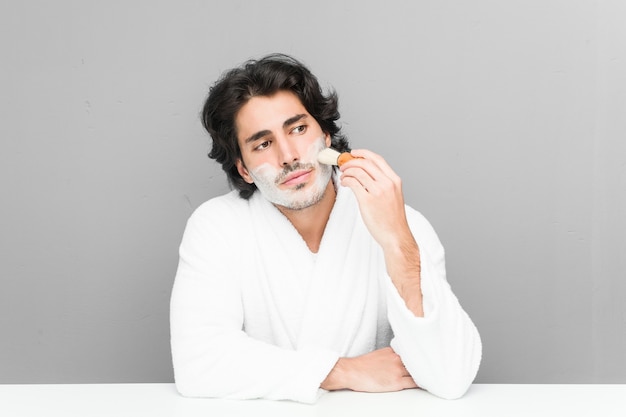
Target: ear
(243,171)
(328,140)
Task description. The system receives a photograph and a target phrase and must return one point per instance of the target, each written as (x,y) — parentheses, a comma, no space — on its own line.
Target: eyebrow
(293,119)
(258,135)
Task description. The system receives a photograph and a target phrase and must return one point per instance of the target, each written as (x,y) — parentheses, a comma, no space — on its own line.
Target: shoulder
(225,202)
(222,212)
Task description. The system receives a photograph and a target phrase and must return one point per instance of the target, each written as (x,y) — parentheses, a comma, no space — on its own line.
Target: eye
(262,145)
(299,129)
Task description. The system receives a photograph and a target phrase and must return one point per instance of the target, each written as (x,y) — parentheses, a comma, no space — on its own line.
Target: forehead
(267,113)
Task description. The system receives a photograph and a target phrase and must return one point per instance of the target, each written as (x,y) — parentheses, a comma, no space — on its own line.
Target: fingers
(370,161)
(369,174)
(406,380)
(408,383)
(360,189)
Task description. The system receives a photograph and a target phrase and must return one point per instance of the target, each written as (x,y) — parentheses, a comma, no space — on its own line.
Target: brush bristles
(328,156)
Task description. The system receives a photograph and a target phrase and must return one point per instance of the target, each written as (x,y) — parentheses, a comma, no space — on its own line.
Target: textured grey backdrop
(505,120)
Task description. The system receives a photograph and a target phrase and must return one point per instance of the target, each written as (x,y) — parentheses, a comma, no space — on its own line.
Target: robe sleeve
(442,350)
(211,353)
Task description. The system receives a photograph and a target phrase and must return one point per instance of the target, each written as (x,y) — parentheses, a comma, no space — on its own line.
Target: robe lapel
(318,303)
(339,286)
(286,263)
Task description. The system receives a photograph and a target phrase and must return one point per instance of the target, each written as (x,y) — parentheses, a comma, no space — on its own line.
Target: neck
(310,222)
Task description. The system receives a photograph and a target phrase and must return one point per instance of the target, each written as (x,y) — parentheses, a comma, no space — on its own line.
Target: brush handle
(344,157)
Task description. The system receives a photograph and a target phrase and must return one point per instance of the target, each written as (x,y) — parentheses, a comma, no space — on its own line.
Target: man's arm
(436,340)
(212,355)
(378,190)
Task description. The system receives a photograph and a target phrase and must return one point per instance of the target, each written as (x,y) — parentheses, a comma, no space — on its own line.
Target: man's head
(263,78)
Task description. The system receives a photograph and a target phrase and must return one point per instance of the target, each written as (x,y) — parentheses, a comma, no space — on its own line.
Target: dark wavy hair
(263,77)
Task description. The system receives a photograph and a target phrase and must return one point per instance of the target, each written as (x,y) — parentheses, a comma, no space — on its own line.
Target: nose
(288,152)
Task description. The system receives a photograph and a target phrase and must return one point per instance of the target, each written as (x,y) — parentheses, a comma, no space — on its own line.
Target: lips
(297,177)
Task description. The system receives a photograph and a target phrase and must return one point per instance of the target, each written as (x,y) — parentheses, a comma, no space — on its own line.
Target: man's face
(279,142)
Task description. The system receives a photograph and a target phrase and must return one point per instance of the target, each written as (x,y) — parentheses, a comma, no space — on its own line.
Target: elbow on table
(186,387)
(456,378)
(452,390)
(189,385)
(452,382)
(193,390)
(193,384)
(453,385)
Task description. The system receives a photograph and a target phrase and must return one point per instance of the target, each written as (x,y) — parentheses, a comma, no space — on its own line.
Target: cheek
(264,171)
(314,149)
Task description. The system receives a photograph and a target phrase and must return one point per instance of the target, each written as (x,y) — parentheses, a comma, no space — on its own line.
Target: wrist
(338,377)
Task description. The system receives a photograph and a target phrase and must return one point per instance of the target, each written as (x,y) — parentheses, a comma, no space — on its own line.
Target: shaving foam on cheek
(267,178)
(314,149)
(264,175)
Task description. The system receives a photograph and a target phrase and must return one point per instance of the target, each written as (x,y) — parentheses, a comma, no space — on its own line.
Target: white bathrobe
(255,314)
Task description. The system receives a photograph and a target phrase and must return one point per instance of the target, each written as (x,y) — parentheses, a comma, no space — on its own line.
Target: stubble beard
(295,198)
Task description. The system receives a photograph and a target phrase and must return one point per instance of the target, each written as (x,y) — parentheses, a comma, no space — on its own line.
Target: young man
(306,277)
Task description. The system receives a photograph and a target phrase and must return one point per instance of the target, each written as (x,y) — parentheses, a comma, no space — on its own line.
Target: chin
(301,196)
(300,199)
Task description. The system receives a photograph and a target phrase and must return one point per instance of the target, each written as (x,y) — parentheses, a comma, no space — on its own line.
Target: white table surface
(159,400)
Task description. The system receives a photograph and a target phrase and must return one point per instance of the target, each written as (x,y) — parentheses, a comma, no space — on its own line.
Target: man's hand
(378,371)
(378,190)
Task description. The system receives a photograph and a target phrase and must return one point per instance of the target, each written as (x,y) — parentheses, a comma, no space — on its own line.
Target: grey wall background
(505,120)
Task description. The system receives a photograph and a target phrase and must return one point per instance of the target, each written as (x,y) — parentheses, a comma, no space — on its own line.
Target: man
(306,277)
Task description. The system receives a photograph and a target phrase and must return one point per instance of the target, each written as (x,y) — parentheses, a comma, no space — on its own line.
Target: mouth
(297,177)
